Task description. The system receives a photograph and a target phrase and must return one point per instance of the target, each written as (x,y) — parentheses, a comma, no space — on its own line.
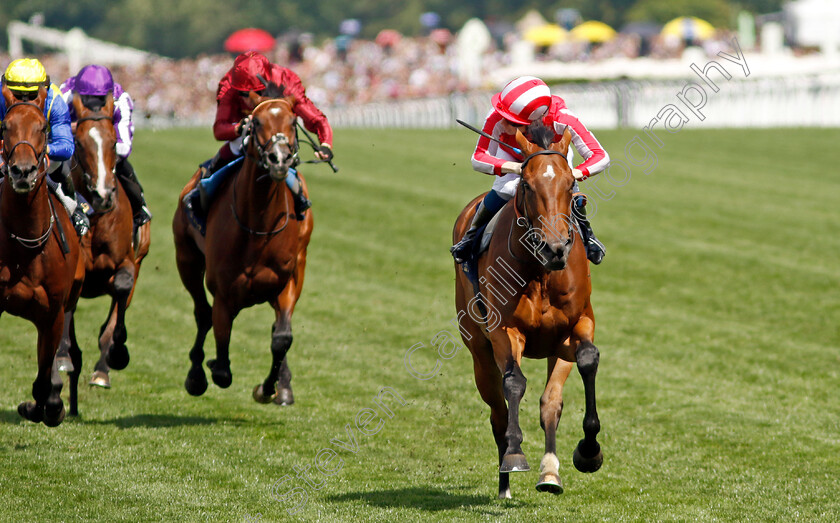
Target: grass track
(717,311)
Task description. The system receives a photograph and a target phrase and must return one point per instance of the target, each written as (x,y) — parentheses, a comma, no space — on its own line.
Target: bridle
(76,158)
(523,219)
(7,155)
(264,148)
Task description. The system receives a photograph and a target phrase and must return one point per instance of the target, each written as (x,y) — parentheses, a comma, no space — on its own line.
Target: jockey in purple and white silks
(93,84)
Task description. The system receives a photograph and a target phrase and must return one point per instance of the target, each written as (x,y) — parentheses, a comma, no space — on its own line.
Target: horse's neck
(258,197)
(25,215)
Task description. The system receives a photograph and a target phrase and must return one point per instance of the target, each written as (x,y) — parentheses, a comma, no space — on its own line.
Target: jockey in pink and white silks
(522,102)
(93,83)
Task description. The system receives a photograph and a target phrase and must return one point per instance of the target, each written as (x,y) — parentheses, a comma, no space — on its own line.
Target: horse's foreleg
(117,356)
(100,377)
(191,268)
(551,408)
(75,354)
(587,456)
(507,347)
(46,390)
(488,380)
(223,318)
(277,386)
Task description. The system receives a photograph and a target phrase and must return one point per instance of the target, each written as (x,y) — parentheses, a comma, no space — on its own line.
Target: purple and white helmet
(94,80)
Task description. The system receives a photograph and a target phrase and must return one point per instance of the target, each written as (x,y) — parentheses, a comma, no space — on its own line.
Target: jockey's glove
(242,125)
(512,167)
(325,152)
(578,174)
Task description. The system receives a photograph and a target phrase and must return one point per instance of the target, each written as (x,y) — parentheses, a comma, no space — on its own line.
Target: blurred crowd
(343,71)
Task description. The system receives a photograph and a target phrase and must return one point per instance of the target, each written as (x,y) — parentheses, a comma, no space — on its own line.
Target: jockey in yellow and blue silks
(24,77)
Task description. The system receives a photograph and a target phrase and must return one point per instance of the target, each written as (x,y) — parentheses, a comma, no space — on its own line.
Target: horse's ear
(109,104)
(42,96)
(78,106)
(526,146)
(291,99)
(255,98)
(8,96)
(563,144)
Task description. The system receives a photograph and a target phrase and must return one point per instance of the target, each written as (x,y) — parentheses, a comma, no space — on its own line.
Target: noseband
(8,155)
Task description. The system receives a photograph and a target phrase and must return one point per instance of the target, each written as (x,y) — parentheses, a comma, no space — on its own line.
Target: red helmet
(523,100)
(246,67)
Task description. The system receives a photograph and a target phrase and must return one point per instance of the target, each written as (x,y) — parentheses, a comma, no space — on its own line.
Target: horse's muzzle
(557,254)
(103,202)
(23,177)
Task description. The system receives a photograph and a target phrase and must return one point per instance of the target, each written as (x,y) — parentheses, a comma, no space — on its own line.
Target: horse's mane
(539,134)
(272,90)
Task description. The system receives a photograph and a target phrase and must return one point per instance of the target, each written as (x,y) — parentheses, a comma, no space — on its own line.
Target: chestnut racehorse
(534,290)
(112,261)
(254,250)
(41,269)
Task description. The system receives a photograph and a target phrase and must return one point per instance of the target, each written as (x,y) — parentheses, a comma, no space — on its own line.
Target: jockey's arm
(595,158)
(228,115)
(124,123)
(60,144)
(489,157)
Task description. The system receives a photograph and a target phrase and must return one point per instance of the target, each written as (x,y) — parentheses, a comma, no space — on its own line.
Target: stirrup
(595,250)
(461,249)
(80,221)
(302,203)
(143,216)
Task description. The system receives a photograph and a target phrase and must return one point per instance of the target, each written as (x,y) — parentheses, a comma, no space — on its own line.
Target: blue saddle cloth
(212,183)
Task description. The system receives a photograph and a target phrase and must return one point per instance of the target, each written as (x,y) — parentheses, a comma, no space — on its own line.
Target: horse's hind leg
(100,377)
(117,356)
(191,268)
(62,355)
(75,354)
(551,408)
(223,316)
(281,341)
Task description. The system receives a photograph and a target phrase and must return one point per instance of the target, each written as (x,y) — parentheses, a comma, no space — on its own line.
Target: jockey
(233,111)
(523,101)
(24,78)
(94,83)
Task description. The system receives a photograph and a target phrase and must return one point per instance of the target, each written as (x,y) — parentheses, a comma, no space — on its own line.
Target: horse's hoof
(196,382)
(117,357)
(550,483)
(54,414)
(31,411)
(589,463)
(100,379)
(284,397)
(64,364)
(220,373)
(514,463)
(260,397)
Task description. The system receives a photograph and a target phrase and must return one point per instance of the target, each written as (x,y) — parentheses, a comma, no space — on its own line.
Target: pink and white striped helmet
(523,100)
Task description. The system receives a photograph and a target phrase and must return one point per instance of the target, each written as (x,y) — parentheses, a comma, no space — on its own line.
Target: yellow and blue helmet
(25,74)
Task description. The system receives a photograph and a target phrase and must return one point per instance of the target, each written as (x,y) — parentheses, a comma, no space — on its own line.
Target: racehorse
(530,297)
(112,261)
(41,269)
(254,250)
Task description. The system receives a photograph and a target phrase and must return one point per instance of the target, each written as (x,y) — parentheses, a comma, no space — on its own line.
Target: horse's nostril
(273,158)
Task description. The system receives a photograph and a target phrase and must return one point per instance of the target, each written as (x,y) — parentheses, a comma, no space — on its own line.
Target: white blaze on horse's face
(549,173)
(100,162)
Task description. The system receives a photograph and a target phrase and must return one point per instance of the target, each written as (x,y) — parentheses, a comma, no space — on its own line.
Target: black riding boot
(461,250)
(196,202)
(63,186)
(595,250)
(134,191)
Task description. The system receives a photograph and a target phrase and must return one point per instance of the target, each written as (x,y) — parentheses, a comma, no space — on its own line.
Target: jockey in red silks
(93,84)
(522,102)
(232,117)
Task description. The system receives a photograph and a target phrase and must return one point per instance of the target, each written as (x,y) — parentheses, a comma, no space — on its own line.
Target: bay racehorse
(41,270)
(112,260)
(529,297)
(254,250)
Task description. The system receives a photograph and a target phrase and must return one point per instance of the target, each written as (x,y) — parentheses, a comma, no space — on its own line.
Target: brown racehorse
(254,251)
(41,271)
(534,303)
(112,264)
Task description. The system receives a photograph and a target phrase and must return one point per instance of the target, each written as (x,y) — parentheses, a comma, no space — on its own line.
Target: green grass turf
(717,310)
